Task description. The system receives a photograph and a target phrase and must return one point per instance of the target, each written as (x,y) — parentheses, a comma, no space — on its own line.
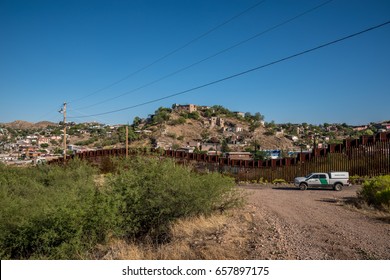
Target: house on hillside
(237,128)
(239,114)
(239,155)
(293,138)
(32,138)
(383,126)
(217,121)
(43,140)
(209,147)
(359,127)
(203,108)
(189,150)
(55,137)
(193,144)
(279,132)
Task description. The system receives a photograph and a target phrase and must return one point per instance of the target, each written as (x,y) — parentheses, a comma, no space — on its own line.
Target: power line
(209,57)
(247,71)
(85,115)
(172,52)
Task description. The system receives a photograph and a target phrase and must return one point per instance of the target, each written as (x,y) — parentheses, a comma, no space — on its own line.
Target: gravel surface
(288,223)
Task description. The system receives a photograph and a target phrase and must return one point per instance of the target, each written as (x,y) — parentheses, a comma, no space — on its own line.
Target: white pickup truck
(336,180)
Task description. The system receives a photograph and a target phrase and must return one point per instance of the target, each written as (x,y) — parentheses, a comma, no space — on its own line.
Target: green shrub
(178,121)
(51,212)
(261,180)
(151,193)
(376,191)
(357,180)
(279,181)
(60,212)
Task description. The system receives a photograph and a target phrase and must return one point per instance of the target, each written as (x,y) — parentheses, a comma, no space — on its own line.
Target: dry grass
(217,237)
(358,205)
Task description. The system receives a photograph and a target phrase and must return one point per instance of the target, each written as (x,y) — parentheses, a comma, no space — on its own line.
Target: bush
(152,193)
(376,191)
(178,121)
(51,212)
(279,181)
(60,212)
(356,180)
(44,145)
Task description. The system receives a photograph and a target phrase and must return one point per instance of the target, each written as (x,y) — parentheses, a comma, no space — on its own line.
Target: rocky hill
(28,125)
(194,127)
(208,128)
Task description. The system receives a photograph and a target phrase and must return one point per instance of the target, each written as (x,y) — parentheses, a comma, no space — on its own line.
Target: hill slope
(178,128)
(19,124)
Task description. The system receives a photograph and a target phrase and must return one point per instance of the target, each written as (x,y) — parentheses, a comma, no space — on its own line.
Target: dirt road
(314,224)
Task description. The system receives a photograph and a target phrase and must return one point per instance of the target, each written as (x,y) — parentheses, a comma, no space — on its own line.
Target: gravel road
(288,223)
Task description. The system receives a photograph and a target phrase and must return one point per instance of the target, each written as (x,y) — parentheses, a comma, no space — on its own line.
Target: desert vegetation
(376,192)
(66,212)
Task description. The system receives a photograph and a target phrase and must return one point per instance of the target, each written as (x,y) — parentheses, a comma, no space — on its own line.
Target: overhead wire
(209,57)
(82,114)
(245,72)
(171,52)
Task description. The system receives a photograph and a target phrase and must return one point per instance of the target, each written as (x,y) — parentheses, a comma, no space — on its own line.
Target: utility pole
(64,112)
(127,141)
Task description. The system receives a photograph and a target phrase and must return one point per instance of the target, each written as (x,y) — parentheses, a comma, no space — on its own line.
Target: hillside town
(191,128)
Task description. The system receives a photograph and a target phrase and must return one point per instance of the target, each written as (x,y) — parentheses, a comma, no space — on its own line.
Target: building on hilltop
(190,107)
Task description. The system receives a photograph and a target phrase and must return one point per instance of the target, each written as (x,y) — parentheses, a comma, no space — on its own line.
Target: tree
(253,126)
(259,155)
(194,115)
(368,132)
(207,113)
(175,146)
(161,115)
(205,134)
(256,144)
(258,117)
(136,121)
(122,134)
(224,146)
(44,145)
(58,151)
(220,110)
(270,124)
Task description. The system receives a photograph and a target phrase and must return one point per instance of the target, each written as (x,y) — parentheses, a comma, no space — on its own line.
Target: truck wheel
(303,186)
(338,187)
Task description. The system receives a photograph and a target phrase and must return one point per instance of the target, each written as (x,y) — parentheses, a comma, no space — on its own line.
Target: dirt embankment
(314,224)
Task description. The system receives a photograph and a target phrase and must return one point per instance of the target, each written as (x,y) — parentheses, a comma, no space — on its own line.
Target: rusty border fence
(366,156)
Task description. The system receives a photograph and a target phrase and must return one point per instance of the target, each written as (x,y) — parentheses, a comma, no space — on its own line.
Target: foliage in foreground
(376,191)
(54,212)
(50,212)
(151,193)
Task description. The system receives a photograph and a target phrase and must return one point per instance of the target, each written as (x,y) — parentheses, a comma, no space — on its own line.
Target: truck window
(322,176)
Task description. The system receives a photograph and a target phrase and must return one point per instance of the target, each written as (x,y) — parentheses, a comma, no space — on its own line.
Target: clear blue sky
(57,51)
